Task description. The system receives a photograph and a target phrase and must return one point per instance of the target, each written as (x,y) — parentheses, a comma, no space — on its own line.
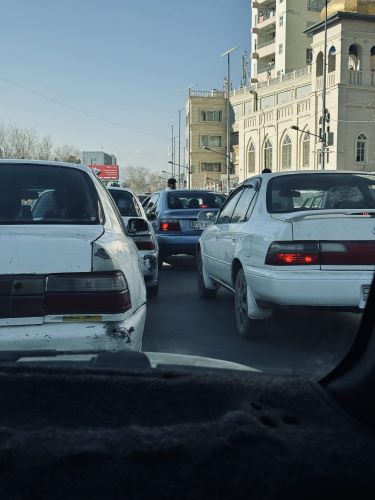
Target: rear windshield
(46,194)
(320,191)
(125,203)
(195,199)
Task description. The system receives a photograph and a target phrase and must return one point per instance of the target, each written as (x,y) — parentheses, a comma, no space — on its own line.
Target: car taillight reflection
(321,253)
(170,225)
(293,253)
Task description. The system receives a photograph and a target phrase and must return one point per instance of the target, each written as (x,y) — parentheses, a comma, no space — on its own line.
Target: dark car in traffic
(174,215)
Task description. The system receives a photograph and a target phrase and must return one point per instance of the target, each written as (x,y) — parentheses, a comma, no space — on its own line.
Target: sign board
(108,172)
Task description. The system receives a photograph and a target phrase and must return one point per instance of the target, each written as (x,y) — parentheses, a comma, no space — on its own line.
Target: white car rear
(69,276)
(293,239)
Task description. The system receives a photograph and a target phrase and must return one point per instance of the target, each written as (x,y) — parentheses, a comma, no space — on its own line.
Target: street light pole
(227,53)
(189,151)
(324,111)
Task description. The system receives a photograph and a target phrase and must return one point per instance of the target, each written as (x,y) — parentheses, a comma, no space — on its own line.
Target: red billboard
(108,172)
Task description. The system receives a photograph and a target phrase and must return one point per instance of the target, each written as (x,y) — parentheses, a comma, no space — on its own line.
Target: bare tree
(141,180)
(22,143)
(67,153)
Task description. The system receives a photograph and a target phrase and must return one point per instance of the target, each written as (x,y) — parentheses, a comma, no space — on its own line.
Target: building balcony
(264,3)
(266,21)
(267,50)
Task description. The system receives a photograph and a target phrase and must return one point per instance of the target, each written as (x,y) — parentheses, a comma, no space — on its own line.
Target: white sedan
(291,239)
(70,278)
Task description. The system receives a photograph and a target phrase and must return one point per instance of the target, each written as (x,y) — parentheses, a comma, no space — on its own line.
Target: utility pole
(179,148)
(227,53)
(172,146)
(324,110)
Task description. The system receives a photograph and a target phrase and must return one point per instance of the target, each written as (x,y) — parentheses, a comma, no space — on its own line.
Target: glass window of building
(211,116)
(211,141)
(286,152)
(251,158)
(361,149)
(268,154)
(306,150)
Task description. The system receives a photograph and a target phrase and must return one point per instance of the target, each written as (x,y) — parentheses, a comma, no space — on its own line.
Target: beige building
(264,113)
(206,125)
(278,42)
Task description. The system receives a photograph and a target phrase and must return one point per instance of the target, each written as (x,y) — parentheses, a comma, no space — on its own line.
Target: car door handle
(234,240)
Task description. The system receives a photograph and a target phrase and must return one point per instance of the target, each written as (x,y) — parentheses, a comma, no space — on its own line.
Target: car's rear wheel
(246,326)
(204,292)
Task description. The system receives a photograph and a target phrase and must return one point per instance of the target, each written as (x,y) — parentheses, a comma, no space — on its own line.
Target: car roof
(272,175)
(52,163)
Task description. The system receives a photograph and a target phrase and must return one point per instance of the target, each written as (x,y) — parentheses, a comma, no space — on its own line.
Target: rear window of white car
(321,191)
(46,194)
(194,200)
(127,205)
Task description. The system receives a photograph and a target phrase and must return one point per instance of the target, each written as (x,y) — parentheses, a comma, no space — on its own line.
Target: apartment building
(278,42)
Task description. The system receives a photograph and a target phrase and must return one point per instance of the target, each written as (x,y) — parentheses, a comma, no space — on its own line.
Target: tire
(204,293)
(152,291)
(245,325)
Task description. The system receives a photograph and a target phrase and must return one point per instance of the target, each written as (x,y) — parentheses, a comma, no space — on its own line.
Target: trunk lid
(347,237)
(44,249)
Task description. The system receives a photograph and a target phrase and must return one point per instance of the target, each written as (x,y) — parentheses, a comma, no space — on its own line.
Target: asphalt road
(305,342)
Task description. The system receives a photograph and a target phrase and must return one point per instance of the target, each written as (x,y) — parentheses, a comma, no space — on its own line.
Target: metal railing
(207,93)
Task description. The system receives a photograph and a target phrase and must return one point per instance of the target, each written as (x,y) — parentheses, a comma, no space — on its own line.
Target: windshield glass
(195,199)
(38,194)
(290,193)
(247,170)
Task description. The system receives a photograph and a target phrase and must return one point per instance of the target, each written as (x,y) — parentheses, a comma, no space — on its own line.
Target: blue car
(173,214)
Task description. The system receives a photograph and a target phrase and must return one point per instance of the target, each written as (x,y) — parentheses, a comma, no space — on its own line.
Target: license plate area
(365,290)
(199,225)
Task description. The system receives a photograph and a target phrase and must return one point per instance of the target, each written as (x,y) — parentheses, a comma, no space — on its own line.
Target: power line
(78,110)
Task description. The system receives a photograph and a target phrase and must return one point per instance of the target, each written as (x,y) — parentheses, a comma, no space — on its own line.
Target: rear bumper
(173,245)
(115,335)
(313,288)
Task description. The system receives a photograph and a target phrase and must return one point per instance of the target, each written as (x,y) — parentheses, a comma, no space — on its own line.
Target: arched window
(268,154)
(332,59)
(319,64)
(286,152)
(354,57)
(306,150)
(361,148)
(372,58)
(251,158)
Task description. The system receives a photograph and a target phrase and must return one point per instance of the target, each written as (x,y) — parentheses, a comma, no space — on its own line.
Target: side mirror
(137,226)
(151,216)
(207,216)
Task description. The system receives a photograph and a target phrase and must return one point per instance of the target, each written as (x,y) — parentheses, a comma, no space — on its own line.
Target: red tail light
(293,254)
(87,293)
(328,253)
(170,225)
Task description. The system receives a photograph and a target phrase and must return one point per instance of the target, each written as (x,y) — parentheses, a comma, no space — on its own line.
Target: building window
(372,58)
(319,65)
(332,59)
(210,167)
(267,102)
(309,56)
(285,96)
(354,57)
(251,158)
(361,149)
(306,150)
(303,91)
(280,48)
(281,21)
(211,116)
(268,154)
(211,141)
(286,152)
(315,5)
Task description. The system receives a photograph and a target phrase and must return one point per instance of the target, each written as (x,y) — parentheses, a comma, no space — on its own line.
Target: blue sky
(126,62)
